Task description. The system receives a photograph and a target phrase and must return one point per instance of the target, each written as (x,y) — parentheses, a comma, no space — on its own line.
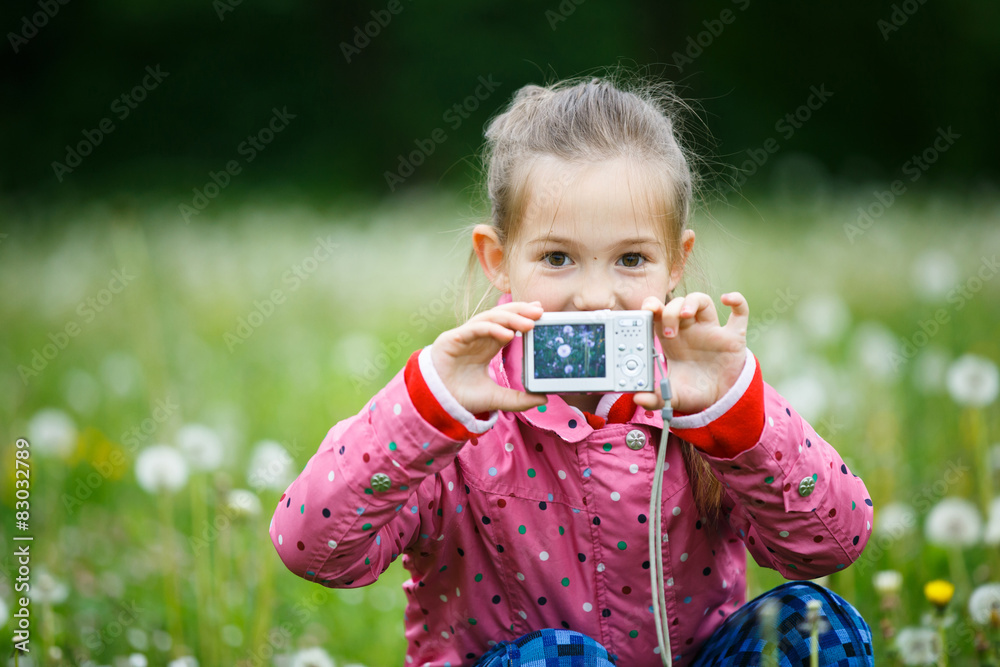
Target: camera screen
(569,351)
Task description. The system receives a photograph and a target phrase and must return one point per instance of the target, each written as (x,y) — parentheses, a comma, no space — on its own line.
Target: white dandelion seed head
(564,351)
(984,602)
(4,613)
(559,339)
(930,370)
(161,468)
(137,660)
(46,589)
(162,640)
(312,657)
(568,369)
(137,639)
(824,317)
(781,348)
(52,431)
(81,391)
(201,446)
(243,503)
(887,582)
(894,519)
(270,467)
(991,534)
(953,521)
(121,373)
(973,381)
(874,348)
(918,646)
(568,330)
(935,272)
(184,661)
(232,635)
(806,393)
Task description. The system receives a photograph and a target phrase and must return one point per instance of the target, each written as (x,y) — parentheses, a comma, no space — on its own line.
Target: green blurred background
(863,298)
(897,71)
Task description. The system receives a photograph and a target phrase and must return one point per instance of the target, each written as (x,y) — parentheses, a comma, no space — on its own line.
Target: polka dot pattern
(549,526)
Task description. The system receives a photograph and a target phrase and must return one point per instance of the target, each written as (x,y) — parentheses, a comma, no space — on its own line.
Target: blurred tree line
(104,96)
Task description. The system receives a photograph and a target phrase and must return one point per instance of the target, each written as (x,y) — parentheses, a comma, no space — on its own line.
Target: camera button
(640,347)
(621,347)
(635,439)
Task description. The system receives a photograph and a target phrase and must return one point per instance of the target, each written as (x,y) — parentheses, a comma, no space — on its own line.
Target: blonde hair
(584,121)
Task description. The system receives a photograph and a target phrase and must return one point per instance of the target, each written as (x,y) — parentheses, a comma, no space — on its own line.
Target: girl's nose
(595,293)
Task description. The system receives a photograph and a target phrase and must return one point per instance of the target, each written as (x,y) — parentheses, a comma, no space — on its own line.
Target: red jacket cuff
(736,430)
(429,407)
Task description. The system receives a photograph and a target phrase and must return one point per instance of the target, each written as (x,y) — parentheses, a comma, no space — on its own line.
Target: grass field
(123,327)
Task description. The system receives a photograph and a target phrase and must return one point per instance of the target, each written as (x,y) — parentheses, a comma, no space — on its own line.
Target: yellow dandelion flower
(939,592)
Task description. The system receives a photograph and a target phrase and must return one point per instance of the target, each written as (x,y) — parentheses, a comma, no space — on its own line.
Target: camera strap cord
(656,524)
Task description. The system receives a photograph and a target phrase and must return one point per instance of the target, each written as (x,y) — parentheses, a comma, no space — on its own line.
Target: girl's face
(586,242)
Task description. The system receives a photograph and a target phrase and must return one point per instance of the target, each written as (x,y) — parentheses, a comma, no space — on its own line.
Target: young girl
(522,517)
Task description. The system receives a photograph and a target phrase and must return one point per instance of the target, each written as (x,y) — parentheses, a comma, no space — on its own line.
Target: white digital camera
(590,351)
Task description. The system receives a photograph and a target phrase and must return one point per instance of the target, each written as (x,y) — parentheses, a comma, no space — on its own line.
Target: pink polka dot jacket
(513,522)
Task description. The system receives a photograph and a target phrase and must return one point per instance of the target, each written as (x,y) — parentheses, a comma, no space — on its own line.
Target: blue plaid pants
(845,640)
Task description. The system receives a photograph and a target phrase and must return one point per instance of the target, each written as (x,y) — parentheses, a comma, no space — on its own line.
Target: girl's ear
(489,250)
(677,270)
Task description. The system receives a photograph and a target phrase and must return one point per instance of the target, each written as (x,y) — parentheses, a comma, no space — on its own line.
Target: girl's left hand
(704,358)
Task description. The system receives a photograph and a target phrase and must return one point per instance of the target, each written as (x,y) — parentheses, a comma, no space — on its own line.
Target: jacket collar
(557,416)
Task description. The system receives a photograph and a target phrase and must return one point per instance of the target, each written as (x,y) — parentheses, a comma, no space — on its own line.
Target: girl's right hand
(462,356)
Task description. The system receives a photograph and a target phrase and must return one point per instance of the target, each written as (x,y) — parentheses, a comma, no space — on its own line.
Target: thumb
(512,400)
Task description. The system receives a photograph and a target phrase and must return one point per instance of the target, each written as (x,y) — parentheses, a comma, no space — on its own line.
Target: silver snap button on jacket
(381,482)
(806,486)
(635,439)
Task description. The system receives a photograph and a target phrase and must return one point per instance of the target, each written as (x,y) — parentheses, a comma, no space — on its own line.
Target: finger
(740,316)
(652,304)
(698,307)
(511,400)
(670,317)
(648,400)
(518,321)
(471,332)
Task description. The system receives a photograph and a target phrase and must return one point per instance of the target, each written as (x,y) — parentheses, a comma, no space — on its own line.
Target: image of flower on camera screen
(569,351)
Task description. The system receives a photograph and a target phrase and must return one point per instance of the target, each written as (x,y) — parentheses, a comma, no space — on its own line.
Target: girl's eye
(556,259)
(632,260)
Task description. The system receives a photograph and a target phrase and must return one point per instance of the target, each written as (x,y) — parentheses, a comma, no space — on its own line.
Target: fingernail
(668,332)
